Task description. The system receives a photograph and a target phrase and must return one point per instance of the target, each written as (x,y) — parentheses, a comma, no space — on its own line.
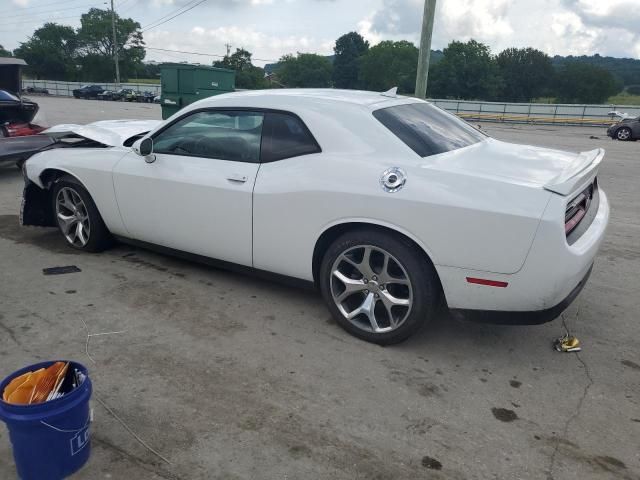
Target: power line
(169,14)
(205,54)
(38,21)
(176,15)
(23,9)
(48,12)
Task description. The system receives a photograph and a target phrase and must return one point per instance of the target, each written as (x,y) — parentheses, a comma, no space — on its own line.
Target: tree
(526,73)
(247,75)
(348,50)
(466,71)
(633,90)
(4,53)
(304,70)
(579,82)
(95,38)
(50,52)
(389,64)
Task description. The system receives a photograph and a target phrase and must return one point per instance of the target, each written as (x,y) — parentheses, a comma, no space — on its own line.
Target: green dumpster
(183,84)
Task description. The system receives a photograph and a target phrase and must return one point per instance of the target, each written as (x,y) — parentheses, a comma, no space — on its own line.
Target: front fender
(92,167)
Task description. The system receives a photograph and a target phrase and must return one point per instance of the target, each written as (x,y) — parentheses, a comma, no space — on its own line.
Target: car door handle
(237,178)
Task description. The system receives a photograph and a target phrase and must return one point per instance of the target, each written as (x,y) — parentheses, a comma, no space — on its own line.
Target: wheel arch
(332,232)
(36,209)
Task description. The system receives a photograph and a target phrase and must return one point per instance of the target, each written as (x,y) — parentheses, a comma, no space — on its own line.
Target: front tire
(378,286)
(77,216)
(623,134)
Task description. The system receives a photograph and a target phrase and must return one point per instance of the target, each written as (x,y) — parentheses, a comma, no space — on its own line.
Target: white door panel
(193,204)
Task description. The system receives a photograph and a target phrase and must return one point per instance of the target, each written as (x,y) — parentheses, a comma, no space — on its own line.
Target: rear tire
(397,286)
(623,134)
(72,205)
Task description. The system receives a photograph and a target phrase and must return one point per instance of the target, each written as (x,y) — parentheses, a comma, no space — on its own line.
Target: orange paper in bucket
(22,395)
(14,384)
(49,381)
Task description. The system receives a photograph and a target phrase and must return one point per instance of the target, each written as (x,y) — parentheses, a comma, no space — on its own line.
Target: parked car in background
(157,99)
(625,130)
(145,97)
(36,90)
(389,205)
(107,95)
(88,91)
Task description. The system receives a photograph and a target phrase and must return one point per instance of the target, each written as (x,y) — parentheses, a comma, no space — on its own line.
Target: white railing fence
(540,113)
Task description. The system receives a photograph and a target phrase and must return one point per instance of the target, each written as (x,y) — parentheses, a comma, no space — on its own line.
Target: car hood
(554,170)
(112,133)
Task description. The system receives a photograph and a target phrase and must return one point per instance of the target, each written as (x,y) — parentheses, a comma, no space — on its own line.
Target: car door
(635,126)
(197,194)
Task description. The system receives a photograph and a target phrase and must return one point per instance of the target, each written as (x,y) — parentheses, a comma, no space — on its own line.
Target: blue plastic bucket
(51,439)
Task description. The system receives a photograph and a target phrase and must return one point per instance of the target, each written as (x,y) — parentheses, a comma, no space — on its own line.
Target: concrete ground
(233,377)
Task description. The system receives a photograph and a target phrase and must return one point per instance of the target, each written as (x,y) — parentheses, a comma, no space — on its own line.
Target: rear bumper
(550,278)
(534,317)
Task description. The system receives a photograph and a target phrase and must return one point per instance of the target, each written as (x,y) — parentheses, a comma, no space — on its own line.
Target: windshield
(428,130)
(4,95)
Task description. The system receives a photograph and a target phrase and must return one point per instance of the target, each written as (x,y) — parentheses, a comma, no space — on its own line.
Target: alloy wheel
(371,289)
(73,217)
(623,134)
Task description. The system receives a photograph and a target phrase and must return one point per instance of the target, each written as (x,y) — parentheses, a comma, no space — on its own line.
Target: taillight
(23,129)
(578,208)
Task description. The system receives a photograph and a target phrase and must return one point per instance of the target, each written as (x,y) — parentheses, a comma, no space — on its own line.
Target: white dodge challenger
(389,205)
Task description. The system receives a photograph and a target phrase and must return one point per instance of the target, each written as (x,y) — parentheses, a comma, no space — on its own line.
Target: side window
(216,134)
(286,136)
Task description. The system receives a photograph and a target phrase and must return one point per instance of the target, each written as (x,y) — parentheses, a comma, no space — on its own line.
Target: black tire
(624,132)
(420,272)
(99,236)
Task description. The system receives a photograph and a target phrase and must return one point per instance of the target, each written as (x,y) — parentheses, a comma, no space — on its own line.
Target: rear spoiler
(585,166)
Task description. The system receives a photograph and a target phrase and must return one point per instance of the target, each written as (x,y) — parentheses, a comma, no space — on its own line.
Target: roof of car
(311,95)
(12,61)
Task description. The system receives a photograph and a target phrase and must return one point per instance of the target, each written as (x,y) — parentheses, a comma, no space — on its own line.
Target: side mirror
(144,148)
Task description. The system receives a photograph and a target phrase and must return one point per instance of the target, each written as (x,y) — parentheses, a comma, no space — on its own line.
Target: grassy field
(625,99)
(145,80)
(620,99)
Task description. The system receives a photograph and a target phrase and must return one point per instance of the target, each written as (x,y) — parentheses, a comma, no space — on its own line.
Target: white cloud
(577,27)
(266,48)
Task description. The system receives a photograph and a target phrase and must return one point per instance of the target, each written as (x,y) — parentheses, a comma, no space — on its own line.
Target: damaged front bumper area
(36,208)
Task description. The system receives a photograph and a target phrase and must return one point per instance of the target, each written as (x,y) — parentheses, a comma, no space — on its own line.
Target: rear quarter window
(285,136)
(428,130)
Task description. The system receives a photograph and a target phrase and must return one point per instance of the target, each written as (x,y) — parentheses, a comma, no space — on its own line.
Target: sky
(272,28)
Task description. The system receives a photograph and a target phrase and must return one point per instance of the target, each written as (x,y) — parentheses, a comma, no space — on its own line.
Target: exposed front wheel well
(37,209)
(50,175)
(330,235)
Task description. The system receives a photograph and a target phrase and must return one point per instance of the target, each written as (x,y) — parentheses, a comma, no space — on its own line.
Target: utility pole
(425,48)
(228,45)
(115,44)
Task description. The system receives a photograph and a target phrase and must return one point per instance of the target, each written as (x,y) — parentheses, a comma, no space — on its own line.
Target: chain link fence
(65,89)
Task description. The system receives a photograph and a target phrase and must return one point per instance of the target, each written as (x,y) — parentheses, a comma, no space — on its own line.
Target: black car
(88,91)
(14,109)
(145,97)
(625,129)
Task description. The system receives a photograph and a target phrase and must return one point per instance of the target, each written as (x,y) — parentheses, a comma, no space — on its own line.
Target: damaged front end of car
(36,208)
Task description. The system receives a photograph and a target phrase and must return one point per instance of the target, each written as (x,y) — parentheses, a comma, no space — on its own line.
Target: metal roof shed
(10,74)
